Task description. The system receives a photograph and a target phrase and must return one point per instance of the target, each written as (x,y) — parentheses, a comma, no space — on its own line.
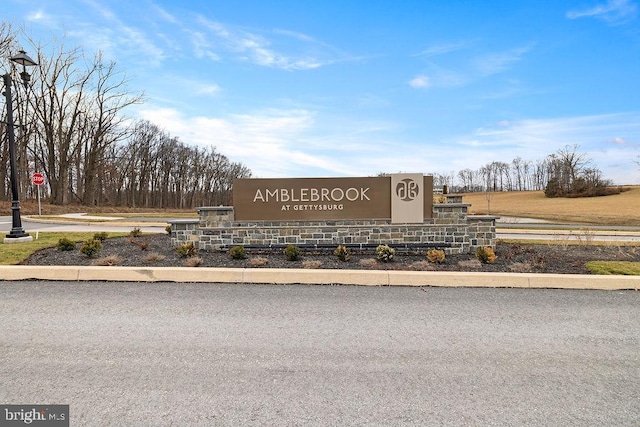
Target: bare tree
(104,123)
(58,105)
(7,47)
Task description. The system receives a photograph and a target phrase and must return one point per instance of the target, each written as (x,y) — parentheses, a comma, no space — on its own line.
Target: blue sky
(353,88)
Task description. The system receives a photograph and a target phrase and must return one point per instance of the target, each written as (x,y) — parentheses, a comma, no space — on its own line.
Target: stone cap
(215,208)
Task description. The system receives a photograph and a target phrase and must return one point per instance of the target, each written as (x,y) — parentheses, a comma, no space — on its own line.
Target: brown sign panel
(305,199)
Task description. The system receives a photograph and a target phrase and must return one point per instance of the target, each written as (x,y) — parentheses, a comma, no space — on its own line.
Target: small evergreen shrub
(91,247)
(292,253)
(168,229)
(385,253)
(435,256)
(102,236)
(486,255)
(136,232)
(65,244)
(343,253)
(237,252)
(187,249)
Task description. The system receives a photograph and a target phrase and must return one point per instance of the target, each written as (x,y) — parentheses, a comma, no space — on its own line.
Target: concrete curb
(304,276)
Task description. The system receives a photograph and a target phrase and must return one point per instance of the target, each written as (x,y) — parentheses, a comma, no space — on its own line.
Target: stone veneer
(450,228)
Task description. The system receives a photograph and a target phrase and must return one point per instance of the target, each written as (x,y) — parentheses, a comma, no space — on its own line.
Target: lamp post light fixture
(17,233)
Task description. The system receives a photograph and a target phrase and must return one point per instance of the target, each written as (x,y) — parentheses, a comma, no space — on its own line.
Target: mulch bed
(157,251)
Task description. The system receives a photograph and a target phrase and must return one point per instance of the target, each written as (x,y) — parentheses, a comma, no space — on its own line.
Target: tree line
(72,127)
(565,173)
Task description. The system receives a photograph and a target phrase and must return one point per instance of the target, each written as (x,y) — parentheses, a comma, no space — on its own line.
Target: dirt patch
(157,251)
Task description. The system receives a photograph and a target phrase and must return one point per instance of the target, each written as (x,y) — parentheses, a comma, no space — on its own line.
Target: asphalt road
(215,354)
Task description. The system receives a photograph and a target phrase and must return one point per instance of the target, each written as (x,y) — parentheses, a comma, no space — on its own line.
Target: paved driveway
(214,354)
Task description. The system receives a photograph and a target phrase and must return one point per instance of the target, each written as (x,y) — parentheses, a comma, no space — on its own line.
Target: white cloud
(441,49)
(42,18)
(288,143)
(202,47)
(420,82)
(614,12)
(165,15)
(498,62)
(257,49)
(265,141)
(208,89)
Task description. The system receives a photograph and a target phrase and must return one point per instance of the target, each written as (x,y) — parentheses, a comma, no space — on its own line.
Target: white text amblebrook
(337,194)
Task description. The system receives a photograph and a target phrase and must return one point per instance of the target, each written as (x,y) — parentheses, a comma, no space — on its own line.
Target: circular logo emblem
(407,190)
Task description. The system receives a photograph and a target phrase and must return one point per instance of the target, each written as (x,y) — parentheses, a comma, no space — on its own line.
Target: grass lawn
(619,209)
(626,268)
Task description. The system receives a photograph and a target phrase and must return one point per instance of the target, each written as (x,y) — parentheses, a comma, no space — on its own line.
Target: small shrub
(194,261)
(102,236)
(440,198)
(586,236)
(108,261)
(187,249)
(385,253)
(153,257)
(91,247)
(311,264)
(368,262)
(343,253)
(142,244)
(168,229)
(65,244)
(292,253)
(539,261)
(258,261)
(486,255)
(237,252)
(436,256)
(136,232)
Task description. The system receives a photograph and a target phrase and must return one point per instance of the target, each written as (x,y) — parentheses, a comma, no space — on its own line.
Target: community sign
(402,198)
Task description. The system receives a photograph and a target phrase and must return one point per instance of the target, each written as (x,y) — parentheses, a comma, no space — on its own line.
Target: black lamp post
(17,233)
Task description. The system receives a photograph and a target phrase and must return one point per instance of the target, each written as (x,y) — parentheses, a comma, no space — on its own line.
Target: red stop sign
(37,178)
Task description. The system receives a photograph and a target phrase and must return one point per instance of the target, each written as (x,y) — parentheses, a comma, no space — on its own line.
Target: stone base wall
(450,228)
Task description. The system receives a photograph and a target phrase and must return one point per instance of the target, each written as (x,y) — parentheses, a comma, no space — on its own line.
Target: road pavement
(35,225)
(176,354)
